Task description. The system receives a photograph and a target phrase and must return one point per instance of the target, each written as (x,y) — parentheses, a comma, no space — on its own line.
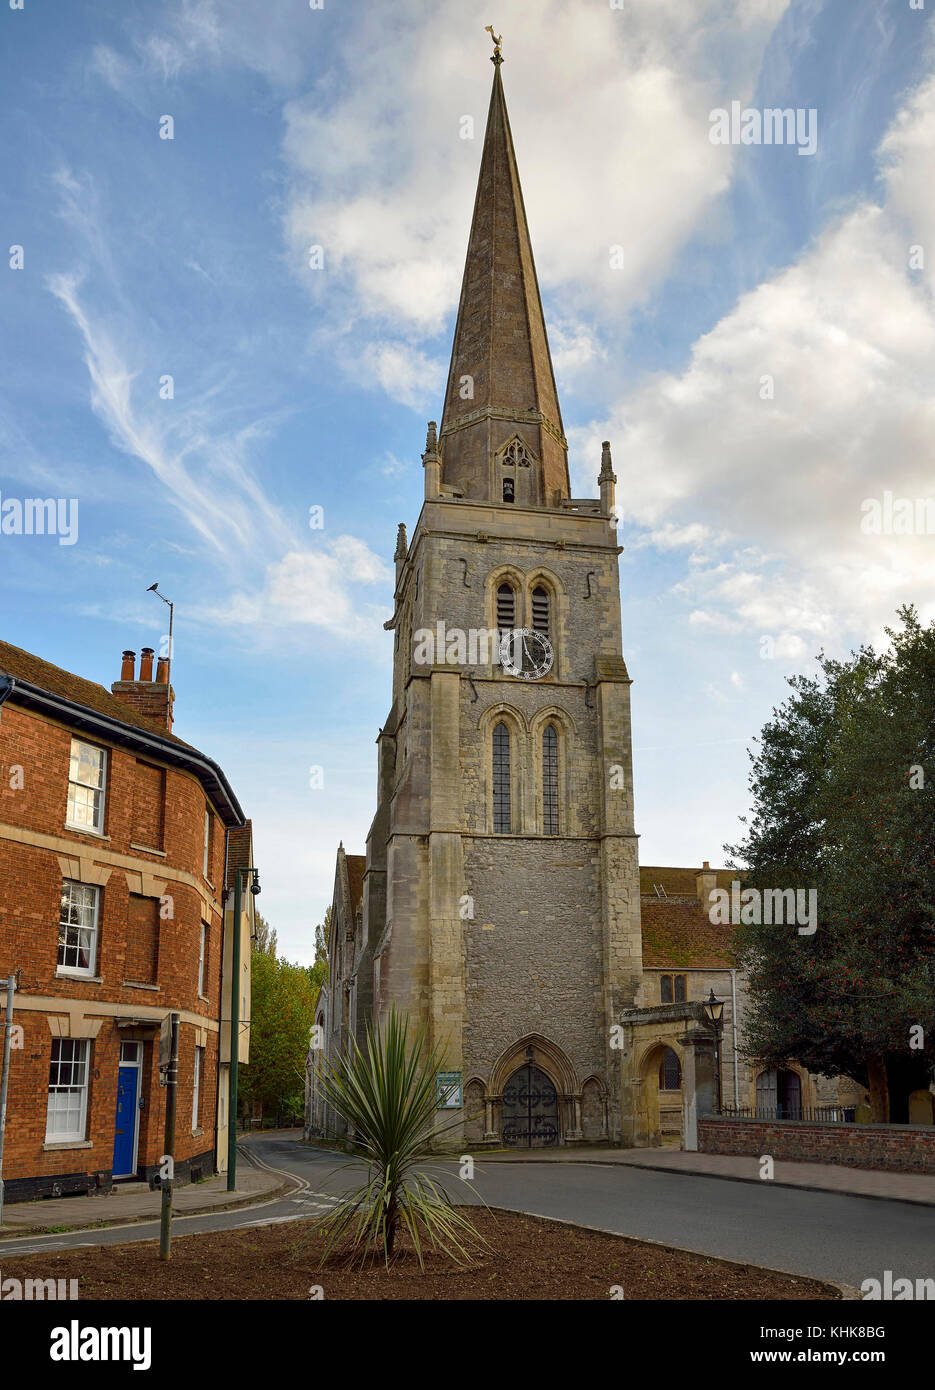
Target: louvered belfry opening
(540,610)
(502,822)
(506,611)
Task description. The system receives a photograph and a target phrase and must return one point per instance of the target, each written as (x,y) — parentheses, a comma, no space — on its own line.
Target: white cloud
(847,335)
(318,588)
(404,373)
(379,176)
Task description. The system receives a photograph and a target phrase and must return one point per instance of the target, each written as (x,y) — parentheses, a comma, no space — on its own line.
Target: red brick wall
(890,1148)
(149,796)
(142,955)
(31,879)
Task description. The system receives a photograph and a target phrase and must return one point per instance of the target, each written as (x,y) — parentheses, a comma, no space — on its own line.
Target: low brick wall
(889,1148)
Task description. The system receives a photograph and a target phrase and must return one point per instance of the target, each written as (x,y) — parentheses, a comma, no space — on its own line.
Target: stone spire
(500,383)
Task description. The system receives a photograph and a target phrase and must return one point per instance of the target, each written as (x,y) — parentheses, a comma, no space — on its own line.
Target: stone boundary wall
(888,1148)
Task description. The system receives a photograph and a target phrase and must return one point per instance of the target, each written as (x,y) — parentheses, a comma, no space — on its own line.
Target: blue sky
(293,388)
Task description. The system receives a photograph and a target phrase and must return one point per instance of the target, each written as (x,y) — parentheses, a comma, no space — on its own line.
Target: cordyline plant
(387,1095)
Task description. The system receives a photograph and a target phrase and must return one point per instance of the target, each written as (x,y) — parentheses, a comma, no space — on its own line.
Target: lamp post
(714,1017)
(235,1022)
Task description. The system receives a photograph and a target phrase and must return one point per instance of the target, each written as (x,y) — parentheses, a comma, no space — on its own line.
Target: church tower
(501,896)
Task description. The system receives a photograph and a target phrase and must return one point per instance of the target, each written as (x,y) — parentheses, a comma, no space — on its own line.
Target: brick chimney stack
(151,698)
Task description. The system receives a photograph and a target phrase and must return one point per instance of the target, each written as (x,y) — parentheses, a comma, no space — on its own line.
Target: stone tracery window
(549,780)
(516,454)
(502,818)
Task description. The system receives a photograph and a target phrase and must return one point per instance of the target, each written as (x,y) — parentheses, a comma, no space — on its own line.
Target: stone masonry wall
(533,950)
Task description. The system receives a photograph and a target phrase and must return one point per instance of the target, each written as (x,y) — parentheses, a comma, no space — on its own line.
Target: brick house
(114,853)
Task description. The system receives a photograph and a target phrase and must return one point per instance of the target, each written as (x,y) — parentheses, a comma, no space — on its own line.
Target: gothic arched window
(670,1073)
(540,610)
(549,781)
(502,820)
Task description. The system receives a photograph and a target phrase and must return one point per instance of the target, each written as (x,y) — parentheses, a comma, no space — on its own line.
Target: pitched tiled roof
(679,882)
(677,934)
(24,666)
(239,848)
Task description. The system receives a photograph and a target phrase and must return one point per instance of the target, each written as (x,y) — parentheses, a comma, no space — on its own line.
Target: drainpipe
(733,1029)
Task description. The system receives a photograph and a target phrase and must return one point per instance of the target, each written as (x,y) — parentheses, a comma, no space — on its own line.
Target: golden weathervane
(497,41)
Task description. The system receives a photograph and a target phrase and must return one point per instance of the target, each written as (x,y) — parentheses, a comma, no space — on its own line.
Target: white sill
(135,984)
(68,1144)
(63,973)
(204,999)
(209,883)
(148,849)
(197,1133)
(86,830)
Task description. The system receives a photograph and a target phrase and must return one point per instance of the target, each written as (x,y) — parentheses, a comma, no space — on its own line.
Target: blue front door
(125,1129)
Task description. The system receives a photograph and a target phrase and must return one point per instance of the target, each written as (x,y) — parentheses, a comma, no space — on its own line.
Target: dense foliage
(843,787)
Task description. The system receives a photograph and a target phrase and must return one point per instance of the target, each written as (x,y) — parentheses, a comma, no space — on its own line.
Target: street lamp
(233,1069)
(714,1017)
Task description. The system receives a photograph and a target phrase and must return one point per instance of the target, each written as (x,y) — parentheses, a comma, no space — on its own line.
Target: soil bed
(527,1259)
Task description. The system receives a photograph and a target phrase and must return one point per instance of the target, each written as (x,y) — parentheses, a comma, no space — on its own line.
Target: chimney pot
(128,666)
(162,671)
(146,663)
(706,865)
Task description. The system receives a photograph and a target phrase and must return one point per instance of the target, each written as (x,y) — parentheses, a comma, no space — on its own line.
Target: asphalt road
(825,1235)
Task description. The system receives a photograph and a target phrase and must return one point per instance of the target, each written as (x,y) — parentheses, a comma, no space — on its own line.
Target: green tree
(843,786)
(318,973)
(265,939)
(282,1014)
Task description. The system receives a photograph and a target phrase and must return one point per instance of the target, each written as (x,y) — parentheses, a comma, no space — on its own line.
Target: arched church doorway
(530,1109)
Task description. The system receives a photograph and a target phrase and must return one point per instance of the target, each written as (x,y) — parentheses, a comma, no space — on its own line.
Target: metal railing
(824,1114)
(282,1119)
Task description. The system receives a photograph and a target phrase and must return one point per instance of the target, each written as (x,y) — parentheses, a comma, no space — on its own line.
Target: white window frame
(201,960)
(81,971)
(206,864)
(196,1086)
(77,1060)
(95,827)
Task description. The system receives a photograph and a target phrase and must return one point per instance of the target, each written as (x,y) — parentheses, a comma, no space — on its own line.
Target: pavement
(136,1201)
(812,1177)
(838,1236)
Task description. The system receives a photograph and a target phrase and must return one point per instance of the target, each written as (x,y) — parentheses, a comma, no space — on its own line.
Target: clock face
(527,655)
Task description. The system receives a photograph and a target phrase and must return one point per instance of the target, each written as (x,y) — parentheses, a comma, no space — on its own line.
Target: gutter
(208,772)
